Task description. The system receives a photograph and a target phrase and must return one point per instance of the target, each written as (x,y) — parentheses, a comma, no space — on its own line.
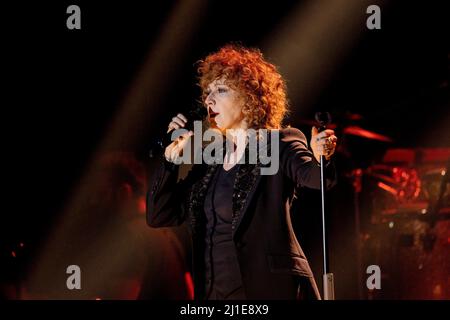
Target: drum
(413,255)
(409,233)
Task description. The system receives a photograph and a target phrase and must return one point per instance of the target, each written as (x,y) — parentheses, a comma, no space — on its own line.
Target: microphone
(158,145)
(324,119)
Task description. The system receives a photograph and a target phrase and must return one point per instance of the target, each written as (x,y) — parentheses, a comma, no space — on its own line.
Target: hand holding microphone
(175,150)
(323,140)
(165,144)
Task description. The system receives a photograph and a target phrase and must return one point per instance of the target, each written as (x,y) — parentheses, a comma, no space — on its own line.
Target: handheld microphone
(198,113)
(324,119)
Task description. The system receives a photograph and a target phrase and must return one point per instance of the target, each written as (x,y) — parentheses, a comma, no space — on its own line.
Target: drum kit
(402,218)
(409,230)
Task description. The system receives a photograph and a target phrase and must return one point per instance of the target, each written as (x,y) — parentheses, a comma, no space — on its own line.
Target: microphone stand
(324,119)
(328,278)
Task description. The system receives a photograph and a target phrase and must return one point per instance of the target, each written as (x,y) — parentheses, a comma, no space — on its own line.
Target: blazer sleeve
(299,164)
(165,197)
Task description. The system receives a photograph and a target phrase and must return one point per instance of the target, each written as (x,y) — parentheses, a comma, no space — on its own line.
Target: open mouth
(212,114)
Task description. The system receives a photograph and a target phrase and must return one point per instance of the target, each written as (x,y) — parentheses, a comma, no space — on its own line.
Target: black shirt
(223,277)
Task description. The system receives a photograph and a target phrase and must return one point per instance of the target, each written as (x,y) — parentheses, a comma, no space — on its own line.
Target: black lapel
(196,199)
(247,179)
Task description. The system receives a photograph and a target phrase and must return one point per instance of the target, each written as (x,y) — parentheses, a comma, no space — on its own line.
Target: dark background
(62,87)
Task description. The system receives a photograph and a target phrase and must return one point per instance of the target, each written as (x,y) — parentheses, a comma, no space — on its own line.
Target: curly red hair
(258,81)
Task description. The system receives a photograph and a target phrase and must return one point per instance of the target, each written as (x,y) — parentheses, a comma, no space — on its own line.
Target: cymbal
(351,130)
(363,133)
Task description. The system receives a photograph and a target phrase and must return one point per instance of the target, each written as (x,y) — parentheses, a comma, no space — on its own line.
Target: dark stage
(82,107)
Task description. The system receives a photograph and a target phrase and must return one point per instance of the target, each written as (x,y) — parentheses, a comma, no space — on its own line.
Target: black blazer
(272,263)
